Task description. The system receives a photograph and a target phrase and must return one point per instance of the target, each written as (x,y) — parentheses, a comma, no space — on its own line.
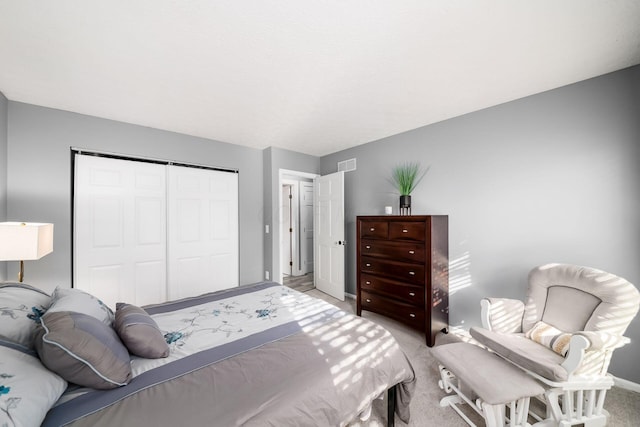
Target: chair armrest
(502,314)
(575,354)
(584,341)
(599,340)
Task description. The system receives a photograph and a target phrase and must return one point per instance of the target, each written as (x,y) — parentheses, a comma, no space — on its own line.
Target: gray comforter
(322,372)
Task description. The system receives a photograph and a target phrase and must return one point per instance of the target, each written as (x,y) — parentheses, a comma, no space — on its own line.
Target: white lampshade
(21,241)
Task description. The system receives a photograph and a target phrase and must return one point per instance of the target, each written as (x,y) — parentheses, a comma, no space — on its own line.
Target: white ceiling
(310,76)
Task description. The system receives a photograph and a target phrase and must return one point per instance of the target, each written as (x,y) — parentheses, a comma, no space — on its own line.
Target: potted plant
(405,177)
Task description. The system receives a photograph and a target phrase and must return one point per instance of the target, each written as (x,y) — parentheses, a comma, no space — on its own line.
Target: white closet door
(202,231)
(120,230)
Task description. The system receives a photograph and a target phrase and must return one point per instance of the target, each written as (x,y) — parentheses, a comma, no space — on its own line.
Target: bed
(261,354)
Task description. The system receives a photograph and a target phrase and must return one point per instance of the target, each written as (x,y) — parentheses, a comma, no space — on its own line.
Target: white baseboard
(350,296)
(626,384)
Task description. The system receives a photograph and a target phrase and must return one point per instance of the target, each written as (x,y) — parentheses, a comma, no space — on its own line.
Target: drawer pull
(368,300)
(372,229)
(412,273)
(412,252)
(368,265)
(368,282)
(412,294)
(368,247)
(412,315)
(404,230)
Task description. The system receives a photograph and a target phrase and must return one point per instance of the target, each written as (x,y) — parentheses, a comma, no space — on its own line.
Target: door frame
(277,264)
(290,236)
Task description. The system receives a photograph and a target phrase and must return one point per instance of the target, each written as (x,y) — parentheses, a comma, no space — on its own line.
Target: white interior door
(120,230)
(329,234)
(306,227)
(202,231)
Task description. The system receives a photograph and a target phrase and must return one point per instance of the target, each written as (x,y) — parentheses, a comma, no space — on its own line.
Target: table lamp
(20,241)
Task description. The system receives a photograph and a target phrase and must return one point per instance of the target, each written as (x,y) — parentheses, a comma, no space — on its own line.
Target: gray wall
(274,160)
(3,171)
(39,178)
(549,178)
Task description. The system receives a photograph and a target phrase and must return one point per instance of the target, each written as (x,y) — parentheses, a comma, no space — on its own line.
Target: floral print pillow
(21,306)
(27,389)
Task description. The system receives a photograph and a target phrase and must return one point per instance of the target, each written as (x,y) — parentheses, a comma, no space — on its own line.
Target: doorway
(296,229)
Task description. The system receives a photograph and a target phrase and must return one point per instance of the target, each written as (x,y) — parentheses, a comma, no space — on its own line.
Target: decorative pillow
(547,335)
(139,332)
(27,389)
(82,350)
(80,302)
(20,309)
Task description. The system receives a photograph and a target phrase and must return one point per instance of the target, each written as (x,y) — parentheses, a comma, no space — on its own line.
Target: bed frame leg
(391,406)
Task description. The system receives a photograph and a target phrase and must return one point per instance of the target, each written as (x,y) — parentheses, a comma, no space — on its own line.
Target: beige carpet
(623,405)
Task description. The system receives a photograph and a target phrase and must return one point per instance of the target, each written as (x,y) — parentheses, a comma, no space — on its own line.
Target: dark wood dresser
(403,270)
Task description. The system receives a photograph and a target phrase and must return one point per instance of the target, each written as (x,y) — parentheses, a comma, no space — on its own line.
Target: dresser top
(399,217)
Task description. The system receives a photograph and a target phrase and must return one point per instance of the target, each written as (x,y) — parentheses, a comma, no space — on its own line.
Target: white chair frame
(580,399)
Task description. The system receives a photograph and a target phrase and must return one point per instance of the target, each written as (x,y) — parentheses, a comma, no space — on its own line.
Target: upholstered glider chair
(564,335)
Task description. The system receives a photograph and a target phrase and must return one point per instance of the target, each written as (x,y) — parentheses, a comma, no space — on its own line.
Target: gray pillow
(139,332)
(82,350)
(66,299)
(20,309)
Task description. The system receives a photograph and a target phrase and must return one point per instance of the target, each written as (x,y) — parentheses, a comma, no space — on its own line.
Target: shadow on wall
(460,282)
(460,273)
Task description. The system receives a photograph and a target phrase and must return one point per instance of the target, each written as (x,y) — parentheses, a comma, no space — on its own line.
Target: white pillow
(75,300)
(27,389)
(20,309)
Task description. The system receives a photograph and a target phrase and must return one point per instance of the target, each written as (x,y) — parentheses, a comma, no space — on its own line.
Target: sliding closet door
(120,230)
(203,231)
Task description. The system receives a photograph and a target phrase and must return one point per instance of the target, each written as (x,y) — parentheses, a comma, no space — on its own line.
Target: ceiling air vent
(347,165)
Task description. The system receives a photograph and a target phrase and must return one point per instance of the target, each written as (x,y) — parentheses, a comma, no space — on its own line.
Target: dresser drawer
(400,251)
(405,313)
(399,230)
(402,271)
(374,229)
(412,294)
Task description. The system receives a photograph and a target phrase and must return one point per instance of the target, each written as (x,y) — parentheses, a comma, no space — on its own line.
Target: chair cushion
(607,302)
(569,317)
(493,379)
(523,352)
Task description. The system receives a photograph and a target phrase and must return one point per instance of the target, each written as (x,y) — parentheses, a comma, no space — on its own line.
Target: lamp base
(21,272)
